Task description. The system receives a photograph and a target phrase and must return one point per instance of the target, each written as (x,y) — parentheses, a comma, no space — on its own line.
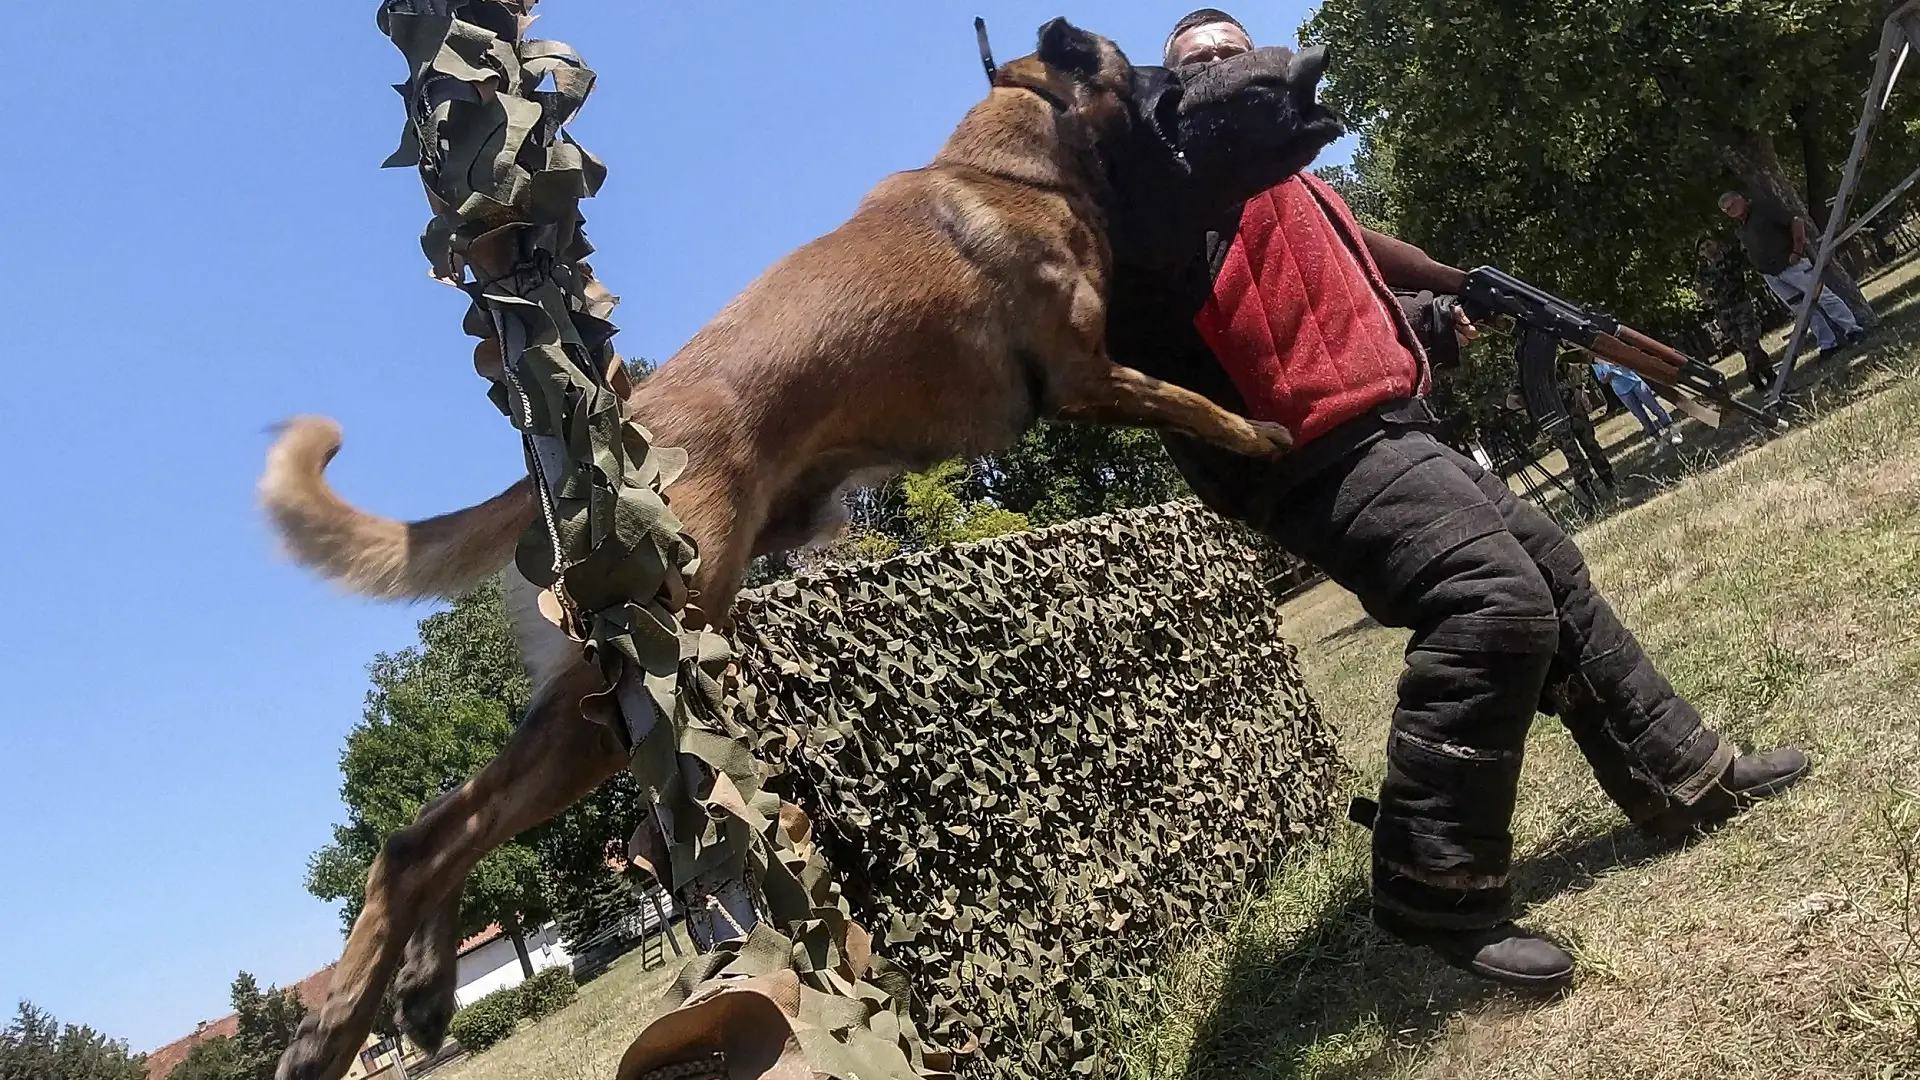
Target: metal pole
(1879,207)
(1891,38)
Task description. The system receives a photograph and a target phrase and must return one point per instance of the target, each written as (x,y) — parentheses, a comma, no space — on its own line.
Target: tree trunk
(1751,156)
(511,924)
(1859,255)
(1822,183)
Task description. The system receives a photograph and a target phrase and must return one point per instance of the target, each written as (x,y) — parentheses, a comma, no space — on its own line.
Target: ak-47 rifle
(1543,322)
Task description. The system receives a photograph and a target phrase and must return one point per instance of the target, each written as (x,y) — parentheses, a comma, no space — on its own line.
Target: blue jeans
(1791,284)
(1639,399)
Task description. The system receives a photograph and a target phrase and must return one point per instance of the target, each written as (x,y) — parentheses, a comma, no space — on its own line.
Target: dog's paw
(312,1055)
(1263,438)
(424,1014)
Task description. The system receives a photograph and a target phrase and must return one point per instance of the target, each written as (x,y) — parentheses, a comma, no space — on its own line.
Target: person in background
(1574,399)
(1722,284)
(1776,241)
(1637,396)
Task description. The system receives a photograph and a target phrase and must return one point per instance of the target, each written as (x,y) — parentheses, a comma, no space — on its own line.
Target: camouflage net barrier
(1034,761)
(789,984)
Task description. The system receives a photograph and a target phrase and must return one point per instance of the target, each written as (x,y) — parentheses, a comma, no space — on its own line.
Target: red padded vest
(1301,319)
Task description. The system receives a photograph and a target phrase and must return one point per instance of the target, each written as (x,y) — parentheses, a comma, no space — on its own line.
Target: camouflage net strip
(487,108)
(1036,761)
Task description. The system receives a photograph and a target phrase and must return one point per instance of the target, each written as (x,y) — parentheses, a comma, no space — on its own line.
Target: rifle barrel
(1661,349)
(1630,355)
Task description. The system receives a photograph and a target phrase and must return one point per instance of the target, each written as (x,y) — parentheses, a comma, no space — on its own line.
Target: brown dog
(962,302)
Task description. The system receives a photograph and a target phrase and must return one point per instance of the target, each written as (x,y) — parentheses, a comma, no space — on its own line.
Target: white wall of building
(495,966)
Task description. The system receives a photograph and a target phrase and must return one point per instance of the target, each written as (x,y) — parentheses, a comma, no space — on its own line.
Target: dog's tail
(376,556)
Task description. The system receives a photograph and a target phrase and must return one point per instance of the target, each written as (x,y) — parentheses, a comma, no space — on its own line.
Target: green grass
(1780,590)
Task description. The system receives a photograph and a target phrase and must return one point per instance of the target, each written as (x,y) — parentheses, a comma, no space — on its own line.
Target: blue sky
(200,232)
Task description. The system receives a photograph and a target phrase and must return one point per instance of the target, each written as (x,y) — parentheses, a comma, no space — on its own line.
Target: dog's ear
(1066,47)
(1304,74)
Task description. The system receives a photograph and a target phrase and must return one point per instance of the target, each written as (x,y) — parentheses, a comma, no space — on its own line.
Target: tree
(34,1046)
(943,505)
(1065,472)
(585,912)
(1584,144)
(266,1021)
(940,513)
(217,1058)
(435,714)
(1357,188)
(1056,473)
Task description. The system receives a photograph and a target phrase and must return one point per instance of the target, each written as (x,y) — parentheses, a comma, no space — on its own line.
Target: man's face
(1735,207)
(1208,42)
(1709,249)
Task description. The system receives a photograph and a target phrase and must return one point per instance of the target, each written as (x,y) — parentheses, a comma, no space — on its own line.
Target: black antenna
(986,48)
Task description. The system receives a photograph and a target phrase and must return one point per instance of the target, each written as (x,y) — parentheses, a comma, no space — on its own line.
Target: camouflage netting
(1035,758)
(487,107)
(1033,761)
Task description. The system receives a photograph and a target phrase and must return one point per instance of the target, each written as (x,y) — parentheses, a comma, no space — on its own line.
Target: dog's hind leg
(553,760)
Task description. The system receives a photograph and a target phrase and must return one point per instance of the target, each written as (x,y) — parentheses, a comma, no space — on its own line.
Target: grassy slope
(1782,594)
(583,1041)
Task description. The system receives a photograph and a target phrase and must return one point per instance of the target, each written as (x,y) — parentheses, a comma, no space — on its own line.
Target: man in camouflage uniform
(1721,280)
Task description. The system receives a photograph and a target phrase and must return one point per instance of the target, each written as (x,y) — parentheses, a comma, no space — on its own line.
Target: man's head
(1734,205)
(1206,35)
(1709,248)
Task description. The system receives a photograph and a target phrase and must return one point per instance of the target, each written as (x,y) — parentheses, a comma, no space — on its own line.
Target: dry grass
(1781,592)
(583,1041)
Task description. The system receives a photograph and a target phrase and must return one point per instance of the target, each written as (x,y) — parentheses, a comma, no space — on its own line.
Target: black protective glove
(1249,122)
(1435,325)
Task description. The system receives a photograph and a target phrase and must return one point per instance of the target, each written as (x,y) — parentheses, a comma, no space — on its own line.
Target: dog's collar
(1046,94)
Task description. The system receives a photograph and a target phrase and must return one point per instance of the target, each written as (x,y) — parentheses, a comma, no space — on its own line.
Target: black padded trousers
(1505,621)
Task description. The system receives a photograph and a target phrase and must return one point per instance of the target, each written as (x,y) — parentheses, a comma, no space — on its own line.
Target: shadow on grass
(1575,863)
(1338,998)
(1362,625)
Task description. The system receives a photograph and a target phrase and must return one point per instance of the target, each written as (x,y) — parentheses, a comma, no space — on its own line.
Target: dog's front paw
(1264,438)
(313,1054)
(425,1013)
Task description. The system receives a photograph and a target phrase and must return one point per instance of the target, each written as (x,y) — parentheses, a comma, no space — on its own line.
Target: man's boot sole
(1533,984)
